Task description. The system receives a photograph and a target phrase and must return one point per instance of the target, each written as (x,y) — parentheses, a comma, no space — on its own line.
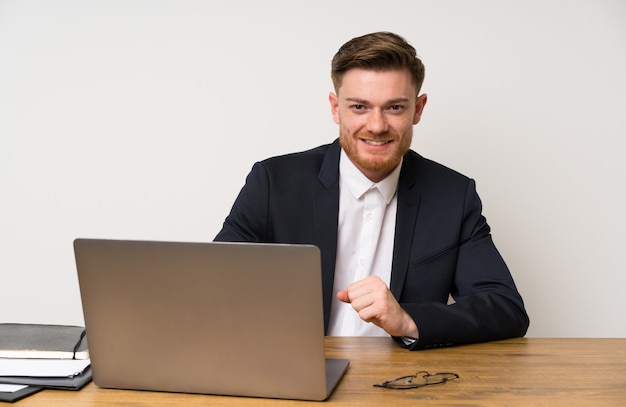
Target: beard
(380,164)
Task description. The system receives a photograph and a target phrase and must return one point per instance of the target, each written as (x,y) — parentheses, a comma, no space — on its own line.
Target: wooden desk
(516,372)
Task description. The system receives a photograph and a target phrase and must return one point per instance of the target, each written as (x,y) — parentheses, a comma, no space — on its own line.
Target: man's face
(376,111)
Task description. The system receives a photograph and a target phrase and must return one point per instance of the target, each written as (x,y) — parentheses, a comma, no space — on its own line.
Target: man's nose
(376,122)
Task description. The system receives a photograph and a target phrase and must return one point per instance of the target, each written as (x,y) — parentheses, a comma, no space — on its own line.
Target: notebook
(240,319)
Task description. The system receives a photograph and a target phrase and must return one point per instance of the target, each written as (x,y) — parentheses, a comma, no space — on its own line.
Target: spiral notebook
(239,319)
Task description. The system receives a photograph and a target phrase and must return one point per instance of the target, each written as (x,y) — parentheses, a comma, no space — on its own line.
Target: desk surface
(515,372)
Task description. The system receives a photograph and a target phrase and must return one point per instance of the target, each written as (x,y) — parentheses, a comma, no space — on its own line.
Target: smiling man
(376,111)
(398,234)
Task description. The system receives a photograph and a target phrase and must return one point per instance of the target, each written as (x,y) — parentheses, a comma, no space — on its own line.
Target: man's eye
(358,107)
(396,107)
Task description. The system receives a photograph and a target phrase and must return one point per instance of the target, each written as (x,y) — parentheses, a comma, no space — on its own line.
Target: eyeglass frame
(443,378)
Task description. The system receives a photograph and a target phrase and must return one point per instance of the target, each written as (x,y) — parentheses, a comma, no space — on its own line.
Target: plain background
(140,120)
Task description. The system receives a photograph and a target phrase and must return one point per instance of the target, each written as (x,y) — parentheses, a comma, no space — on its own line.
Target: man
(398,234)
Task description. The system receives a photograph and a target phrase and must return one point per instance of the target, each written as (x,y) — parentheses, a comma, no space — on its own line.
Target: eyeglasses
(423,379)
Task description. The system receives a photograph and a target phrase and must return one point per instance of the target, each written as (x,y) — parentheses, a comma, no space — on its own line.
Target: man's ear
(419,107)
(334,106)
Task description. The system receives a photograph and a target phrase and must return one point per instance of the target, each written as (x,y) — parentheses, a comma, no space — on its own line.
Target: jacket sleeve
(486,306)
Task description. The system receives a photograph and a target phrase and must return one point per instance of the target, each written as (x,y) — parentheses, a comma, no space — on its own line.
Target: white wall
(140,119)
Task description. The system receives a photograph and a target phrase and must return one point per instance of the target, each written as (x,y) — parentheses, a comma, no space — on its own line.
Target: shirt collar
(359,184)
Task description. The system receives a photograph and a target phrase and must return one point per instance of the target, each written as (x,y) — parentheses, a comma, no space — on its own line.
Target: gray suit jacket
(442,242)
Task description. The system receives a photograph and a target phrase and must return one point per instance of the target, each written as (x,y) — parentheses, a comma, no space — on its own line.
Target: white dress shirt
(365,238)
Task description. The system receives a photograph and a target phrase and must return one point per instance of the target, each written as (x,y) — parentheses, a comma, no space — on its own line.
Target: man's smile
(376,142)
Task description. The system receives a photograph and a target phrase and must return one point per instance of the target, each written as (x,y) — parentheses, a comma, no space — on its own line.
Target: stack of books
(34,357)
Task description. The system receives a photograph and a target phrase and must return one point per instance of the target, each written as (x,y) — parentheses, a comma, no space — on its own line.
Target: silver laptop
(239,319)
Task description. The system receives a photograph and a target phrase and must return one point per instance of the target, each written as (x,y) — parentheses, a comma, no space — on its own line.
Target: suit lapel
(406,217)
(326,221)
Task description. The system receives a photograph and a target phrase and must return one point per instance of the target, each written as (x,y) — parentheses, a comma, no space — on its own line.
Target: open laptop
(239,319)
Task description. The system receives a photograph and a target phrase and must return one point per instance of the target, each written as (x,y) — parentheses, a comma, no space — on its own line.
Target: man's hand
(374,302)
